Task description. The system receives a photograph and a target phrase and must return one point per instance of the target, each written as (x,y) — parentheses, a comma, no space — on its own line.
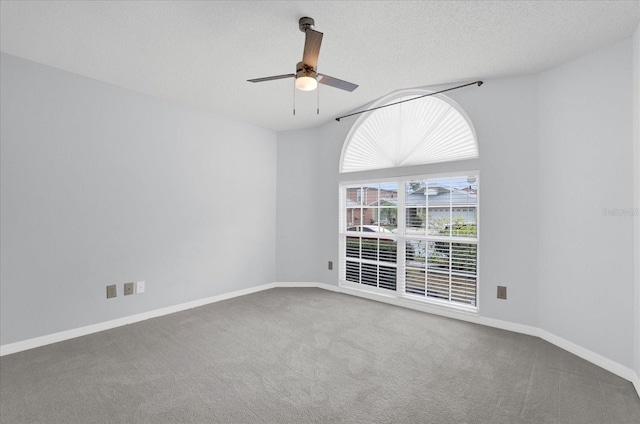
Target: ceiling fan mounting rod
(306,23)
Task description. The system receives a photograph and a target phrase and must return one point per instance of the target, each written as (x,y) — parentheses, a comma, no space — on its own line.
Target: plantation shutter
(430,255)
(426,130)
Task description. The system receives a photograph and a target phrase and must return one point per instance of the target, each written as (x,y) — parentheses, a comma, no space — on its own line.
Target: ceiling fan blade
(312,42)
(275,77)
(337,83)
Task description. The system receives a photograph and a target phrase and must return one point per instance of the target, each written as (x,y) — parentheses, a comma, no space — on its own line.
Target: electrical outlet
(140,287)
(502,292)
(330,266)
(128,289)
(112,291)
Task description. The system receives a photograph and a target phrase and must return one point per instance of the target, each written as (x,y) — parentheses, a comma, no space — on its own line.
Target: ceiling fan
(307,76)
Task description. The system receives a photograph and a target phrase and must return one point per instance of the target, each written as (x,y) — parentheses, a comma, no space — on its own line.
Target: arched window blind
(428,130)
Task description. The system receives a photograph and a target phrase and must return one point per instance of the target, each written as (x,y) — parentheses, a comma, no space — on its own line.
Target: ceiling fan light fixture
(306,83)
(306,76)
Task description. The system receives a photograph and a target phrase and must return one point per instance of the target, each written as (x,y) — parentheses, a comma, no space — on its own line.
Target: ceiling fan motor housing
(303,70)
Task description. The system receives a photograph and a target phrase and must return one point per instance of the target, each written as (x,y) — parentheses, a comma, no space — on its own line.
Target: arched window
(415,237)
(428,130)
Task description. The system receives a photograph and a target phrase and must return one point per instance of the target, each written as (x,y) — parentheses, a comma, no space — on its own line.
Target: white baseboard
(586,354)
(107,325)
(599,360)
(445,312)
(289,284)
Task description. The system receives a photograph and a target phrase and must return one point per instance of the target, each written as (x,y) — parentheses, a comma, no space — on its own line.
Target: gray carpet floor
(308,356)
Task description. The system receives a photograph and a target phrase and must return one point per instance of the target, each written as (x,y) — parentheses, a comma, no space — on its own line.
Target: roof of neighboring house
(442,198)
(438,196)
(386,201)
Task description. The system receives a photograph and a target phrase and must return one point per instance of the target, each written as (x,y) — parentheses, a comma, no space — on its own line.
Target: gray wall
(586,256)
(504,114)
(297,214)
(555,150)
(102,185)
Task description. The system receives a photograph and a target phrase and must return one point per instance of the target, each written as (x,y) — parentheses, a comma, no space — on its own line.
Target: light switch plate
(128,289)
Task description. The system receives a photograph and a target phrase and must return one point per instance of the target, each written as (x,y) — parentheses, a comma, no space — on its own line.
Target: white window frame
(401,238)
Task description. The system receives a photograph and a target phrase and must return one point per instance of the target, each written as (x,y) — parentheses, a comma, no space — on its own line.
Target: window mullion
(427,217)
(401,243)
(451,227)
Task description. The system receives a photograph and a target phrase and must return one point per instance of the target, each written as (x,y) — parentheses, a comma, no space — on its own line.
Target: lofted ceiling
(200,53)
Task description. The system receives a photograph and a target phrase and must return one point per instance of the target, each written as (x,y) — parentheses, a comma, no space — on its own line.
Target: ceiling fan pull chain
(294,97)
(318,103)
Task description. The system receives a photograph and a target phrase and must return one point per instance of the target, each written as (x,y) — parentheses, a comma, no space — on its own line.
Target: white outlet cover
(140,287)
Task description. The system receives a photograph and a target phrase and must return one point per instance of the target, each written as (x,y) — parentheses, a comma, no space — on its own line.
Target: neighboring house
(361,202)
(443,202)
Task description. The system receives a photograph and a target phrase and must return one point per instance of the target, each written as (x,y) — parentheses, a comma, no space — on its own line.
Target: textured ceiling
(200,53)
